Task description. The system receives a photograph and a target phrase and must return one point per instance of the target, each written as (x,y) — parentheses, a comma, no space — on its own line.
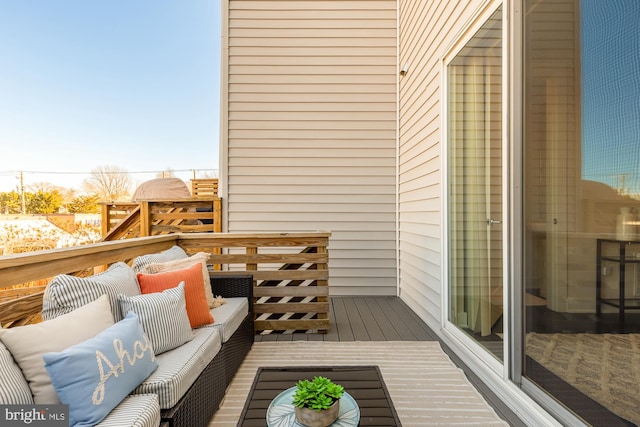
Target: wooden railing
(120,220)
(152,218)
(290,272)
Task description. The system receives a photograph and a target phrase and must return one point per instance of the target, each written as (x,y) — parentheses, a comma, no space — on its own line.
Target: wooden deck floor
(387,319)
(366,319)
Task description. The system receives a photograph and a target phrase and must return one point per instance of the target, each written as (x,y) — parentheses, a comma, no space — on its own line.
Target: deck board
(359,327)
(395,324)
(342,322)
(370,319)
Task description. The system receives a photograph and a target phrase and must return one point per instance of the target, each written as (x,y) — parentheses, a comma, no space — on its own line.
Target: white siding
(427,31)
(310,136)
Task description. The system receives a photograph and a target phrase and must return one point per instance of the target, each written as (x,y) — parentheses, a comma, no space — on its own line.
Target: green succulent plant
(318,394)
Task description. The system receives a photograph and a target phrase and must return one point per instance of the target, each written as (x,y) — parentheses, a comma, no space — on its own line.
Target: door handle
(491,221)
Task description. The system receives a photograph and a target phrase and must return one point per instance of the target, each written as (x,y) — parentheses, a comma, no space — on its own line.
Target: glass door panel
(475,186)
(581,211)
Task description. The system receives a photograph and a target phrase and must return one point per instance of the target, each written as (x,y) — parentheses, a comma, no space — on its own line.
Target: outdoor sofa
(189,381)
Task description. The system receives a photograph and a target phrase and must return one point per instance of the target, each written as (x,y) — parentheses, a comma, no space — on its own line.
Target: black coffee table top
(363,383)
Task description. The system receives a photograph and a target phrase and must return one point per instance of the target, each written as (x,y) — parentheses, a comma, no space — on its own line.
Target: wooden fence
(153,218)
(290,272)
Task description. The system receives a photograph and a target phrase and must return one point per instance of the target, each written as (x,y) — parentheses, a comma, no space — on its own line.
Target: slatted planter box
(204,187)
(290,272)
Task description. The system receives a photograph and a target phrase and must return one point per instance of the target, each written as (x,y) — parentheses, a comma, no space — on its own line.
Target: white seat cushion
(179,368)
(141,410)
(229,316)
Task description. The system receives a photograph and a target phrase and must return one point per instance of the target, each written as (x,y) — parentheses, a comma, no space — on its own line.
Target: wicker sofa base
(236,348)
(201,401)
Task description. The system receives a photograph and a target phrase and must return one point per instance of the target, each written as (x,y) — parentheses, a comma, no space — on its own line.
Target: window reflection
(582,193)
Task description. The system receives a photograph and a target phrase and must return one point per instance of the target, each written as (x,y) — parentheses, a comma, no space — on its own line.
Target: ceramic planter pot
(312,418)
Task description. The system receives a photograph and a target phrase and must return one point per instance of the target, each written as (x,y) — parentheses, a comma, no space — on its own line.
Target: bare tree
(46,187)
(68,194)
(110,183)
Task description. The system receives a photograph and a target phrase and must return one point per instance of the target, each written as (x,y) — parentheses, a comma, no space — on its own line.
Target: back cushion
(14,389)
(171,254)
(66,293)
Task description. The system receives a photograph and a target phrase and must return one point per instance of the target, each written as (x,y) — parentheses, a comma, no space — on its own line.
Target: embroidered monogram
(139,351)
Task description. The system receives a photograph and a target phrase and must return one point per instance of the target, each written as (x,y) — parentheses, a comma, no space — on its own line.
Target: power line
(16,172)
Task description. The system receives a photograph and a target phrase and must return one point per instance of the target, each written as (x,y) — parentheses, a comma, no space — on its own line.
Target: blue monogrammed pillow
(93,377)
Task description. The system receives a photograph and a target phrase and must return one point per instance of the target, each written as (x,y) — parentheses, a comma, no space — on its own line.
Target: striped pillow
(171,254)
(14,389)
(66,293)
(163,316)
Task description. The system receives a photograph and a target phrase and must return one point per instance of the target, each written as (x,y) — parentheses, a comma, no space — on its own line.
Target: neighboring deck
(387,318)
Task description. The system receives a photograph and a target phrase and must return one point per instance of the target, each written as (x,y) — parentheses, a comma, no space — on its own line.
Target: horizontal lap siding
(427,30)
(311,130)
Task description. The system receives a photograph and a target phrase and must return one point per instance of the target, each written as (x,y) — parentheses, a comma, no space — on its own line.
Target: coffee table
(364,383)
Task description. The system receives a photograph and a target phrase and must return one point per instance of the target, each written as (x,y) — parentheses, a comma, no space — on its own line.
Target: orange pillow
(197,307)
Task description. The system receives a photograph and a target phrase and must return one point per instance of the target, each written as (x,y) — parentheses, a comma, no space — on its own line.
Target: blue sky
(129,83)
(610,54)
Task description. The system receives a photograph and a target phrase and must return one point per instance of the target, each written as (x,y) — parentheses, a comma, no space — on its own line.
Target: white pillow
(180,264)
(163,316)
(28,343)
(66,293)
(173,253)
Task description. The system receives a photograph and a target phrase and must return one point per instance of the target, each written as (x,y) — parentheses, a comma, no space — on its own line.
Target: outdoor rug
(605,367)
(426,387)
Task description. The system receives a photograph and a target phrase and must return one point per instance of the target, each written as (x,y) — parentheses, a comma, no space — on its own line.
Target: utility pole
(24,205)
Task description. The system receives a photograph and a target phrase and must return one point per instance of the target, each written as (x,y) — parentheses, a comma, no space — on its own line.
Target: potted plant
(317,402)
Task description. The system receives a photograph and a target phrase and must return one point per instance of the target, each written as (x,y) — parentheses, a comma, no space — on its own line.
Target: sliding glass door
(475,174)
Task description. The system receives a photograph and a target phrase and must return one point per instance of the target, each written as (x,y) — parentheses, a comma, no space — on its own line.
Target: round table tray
(281,411)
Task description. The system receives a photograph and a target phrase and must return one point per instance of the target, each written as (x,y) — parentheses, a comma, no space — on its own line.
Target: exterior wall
(309,136)
(427,32)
